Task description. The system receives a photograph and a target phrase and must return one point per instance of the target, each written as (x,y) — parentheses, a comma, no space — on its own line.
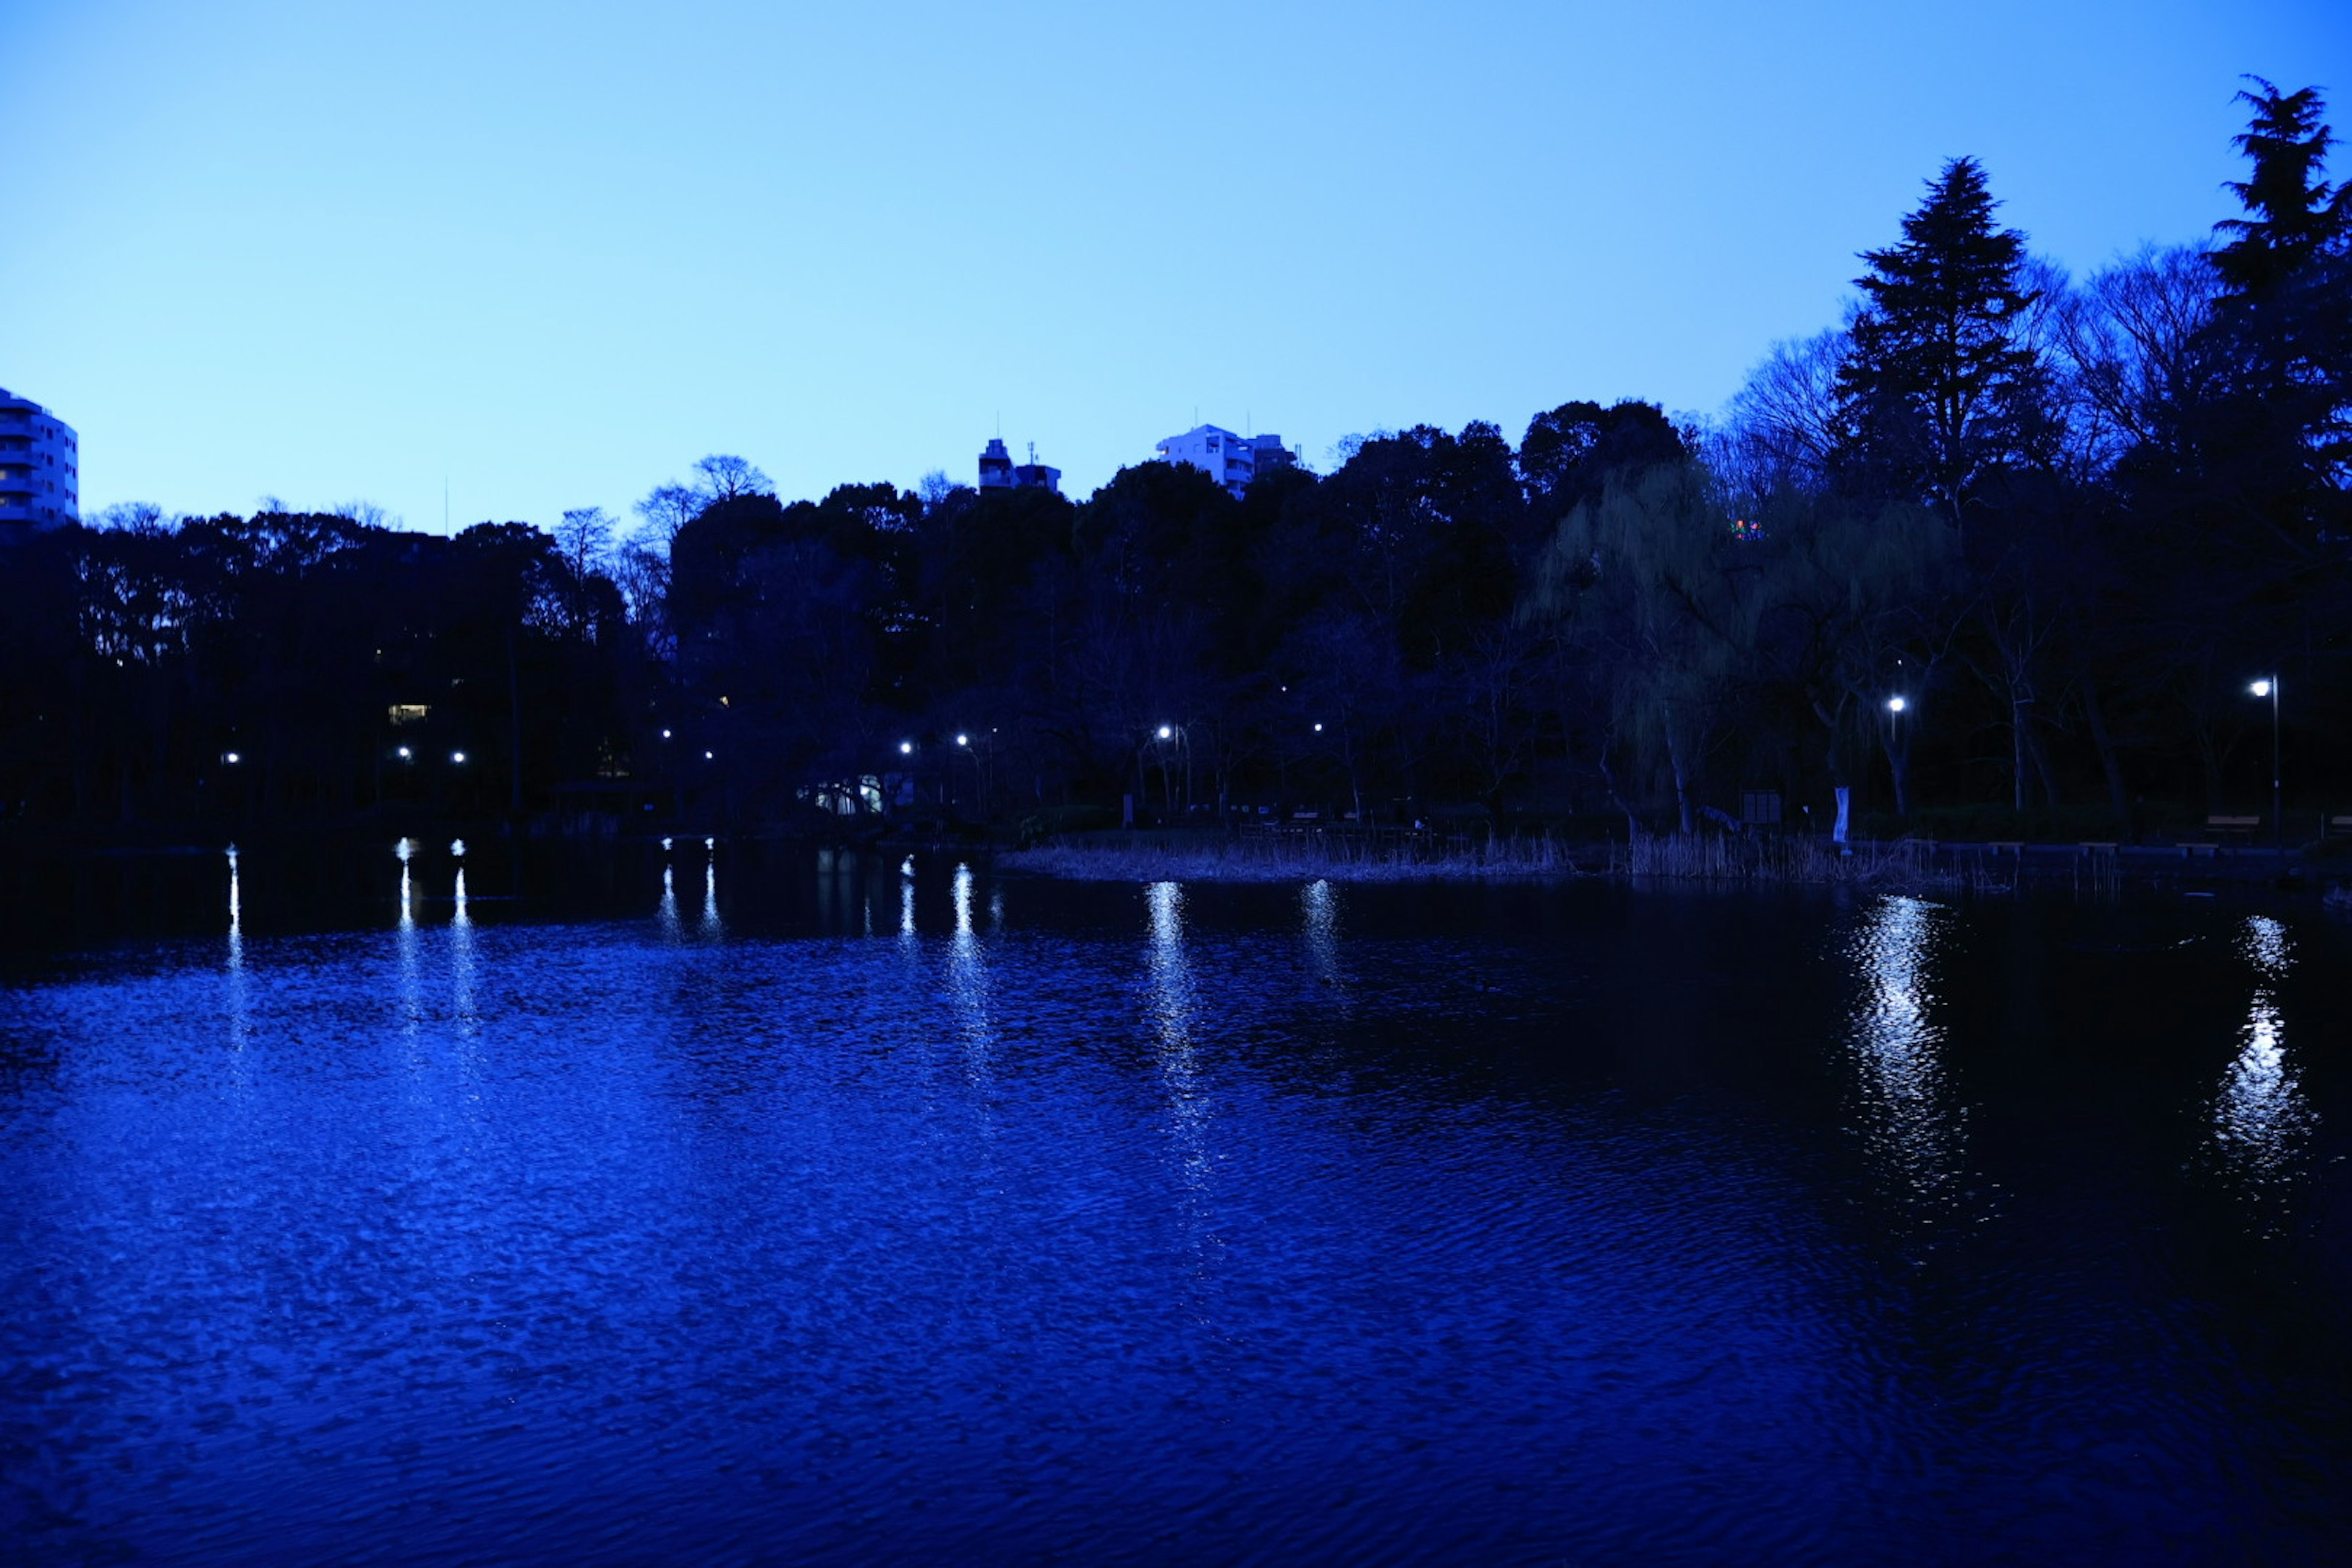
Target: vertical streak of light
(412,997)
(1173,1013)
(711,928)
(461,960)
(666,913)
(968,987)
(1914,1136)
(240,1015)
(1320,905)
(2261,1116)
(236,914)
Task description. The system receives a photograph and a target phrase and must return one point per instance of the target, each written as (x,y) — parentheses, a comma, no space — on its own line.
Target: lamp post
(2270,688)
(1896,707)
(979,753)
(1182,738)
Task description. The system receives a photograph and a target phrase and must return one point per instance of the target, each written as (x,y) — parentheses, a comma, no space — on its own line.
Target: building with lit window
(1232,460)
(40,468)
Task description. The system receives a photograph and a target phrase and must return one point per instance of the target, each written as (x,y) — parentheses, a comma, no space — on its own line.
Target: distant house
(999,472)
(40,468)
(1232,460)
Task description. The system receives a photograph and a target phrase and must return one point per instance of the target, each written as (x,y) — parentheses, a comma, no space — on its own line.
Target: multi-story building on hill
(1232,460)
(40,468)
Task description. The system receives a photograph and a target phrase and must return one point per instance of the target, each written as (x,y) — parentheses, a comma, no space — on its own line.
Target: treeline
(2064,523)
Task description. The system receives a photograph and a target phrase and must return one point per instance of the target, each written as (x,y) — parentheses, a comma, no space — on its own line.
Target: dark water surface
(745,1207)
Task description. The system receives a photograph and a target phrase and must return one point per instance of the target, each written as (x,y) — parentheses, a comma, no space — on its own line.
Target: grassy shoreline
(1785,861)
(1344,858)
(1284,857)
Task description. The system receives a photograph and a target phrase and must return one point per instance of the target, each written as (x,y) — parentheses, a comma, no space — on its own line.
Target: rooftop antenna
(1033,454)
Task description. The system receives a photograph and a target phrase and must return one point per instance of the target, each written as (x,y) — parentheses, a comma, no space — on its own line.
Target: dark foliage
(2064,523)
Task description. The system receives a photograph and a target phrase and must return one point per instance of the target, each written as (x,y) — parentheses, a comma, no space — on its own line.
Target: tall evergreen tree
(2294,218)
(2284,326)
(1939,387)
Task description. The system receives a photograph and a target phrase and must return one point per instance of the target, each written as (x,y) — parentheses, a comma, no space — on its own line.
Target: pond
(738,1205)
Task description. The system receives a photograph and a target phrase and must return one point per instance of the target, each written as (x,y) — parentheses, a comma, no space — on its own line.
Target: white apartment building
(40,468)
(1232,460)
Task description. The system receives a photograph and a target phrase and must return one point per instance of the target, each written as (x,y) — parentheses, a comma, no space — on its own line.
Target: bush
(1055,821)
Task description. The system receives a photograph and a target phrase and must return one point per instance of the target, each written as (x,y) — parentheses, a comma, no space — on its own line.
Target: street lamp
(404,753)
(905,748)
(231,758)
(1895,754)
(458,758)
(2270,688)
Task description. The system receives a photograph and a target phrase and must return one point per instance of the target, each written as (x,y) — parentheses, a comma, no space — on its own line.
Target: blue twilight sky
(551,254)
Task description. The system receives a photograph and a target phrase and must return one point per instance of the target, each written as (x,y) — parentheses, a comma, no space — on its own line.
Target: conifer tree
(1938,388)
(2293,217)
(2282,440)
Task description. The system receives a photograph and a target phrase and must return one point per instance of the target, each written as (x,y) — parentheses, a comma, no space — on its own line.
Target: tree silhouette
(1939,390)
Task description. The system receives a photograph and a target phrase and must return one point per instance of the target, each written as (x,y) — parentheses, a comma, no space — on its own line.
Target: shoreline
(1902,866)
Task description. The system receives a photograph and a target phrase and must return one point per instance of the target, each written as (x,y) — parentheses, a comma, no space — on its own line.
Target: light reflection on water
(2261,1117)
(240,1005)
(665,914)
(1145,1249)
(1914,1135)
(462,965)
(1174,1021)
(1320,905)
(968,986)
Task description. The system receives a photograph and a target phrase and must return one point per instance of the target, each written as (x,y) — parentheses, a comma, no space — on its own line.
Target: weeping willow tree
(1859,604)
(1646,599)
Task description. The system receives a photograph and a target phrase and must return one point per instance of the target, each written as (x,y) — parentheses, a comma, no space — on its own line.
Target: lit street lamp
(2270,688)
(982,757)
(1896,706)
(1184,738)
(458,758)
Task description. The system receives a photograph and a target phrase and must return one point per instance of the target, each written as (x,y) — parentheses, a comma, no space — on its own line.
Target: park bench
(2231,829)
(2336,828)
